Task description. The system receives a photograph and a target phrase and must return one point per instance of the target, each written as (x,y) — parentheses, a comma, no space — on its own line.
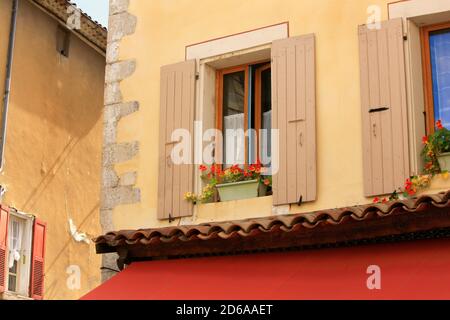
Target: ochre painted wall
(166,27)
(54,141)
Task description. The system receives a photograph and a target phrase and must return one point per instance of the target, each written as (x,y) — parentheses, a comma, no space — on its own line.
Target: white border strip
(416,8)
(237,42)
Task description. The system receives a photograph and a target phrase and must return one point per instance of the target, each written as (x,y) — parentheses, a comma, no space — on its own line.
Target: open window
(22,254)
(244,109)
(436,68)
(19,254)
(266,95)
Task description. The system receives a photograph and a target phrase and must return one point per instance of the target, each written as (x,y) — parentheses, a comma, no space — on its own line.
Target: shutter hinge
(405,37)
(170,218)
(300,201)
(197,76)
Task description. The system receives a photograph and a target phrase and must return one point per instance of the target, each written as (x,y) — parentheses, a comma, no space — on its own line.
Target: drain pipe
(9,62)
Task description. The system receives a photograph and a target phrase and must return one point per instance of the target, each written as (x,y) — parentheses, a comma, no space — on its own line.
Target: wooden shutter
(176,112)
(4,216)
(37,260)
(294,115)
(384,108)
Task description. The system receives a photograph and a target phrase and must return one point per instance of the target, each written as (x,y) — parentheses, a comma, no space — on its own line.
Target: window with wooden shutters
(4,215)
(177,103)
(384,108)
(38,259)
(293,107)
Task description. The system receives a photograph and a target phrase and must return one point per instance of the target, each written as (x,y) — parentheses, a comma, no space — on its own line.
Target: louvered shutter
(4,216)
(294,115)
(37,260)
(384,108)
(177,103)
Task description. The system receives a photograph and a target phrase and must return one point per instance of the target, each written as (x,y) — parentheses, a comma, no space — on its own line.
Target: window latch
(375,110)
(300,201)
(170,218)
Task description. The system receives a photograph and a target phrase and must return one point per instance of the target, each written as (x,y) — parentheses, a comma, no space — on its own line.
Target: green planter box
(238,190)
(444,161)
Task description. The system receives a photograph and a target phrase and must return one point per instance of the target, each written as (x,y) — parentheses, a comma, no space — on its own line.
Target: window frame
(258,102)
(257,85)
(427,73)
(24,267)
(219,102)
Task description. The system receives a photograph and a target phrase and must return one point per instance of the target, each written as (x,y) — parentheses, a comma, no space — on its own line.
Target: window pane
(233,117)
(266,117)
(12,278)
(12,283)
(440,60)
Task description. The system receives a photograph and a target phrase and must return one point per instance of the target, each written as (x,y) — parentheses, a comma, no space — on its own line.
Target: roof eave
(351,231)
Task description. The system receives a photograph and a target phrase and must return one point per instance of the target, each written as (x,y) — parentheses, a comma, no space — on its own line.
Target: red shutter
(37,263)
(4,215)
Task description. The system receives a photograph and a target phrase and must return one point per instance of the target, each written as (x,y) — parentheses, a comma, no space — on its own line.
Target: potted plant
(437,150)
(234,183)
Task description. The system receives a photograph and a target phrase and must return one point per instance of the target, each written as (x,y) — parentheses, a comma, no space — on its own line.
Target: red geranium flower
(429,165)
(439,125)
(376,200)
(425,140)
(203,168)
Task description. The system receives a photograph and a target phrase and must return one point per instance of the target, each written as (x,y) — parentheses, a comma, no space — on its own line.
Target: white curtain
(235,142)
(15,243)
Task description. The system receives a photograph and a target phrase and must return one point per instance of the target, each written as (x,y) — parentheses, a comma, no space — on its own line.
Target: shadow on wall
(64,92)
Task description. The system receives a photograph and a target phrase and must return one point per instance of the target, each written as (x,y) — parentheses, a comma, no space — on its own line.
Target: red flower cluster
(234,173)
(409,187)
(377,200)
(425,140)
(429,165)
(439,125)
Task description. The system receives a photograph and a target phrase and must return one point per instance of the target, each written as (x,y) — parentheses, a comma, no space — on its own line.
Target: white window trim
(25,268)
(419,10)
(237,42)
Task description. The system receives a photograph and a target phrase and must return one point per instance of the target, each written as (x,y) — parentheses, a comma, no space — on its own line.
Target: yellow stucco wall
(166,27)
(54,143)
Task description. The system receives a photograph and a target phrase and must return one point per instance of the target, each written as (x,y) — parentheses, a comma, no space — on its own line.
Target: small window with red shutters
(19,269)
(19,253)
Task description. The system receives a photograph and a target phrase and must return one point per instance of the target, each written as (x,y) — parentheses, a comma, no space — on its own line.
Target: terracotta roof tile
(90,29)
(429,212)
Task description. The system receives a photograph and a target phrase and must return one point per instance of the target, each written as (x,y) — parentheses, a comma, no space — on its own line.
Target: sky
(97,9)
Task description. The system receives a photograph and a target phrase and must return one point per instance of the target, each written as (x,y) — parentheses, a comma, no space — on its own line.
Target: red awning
(409,270)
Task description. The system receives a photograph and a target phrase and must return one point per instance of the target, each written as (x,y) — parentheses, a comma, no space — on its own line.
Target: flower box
(444,161)
(233,183)
(238,190)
